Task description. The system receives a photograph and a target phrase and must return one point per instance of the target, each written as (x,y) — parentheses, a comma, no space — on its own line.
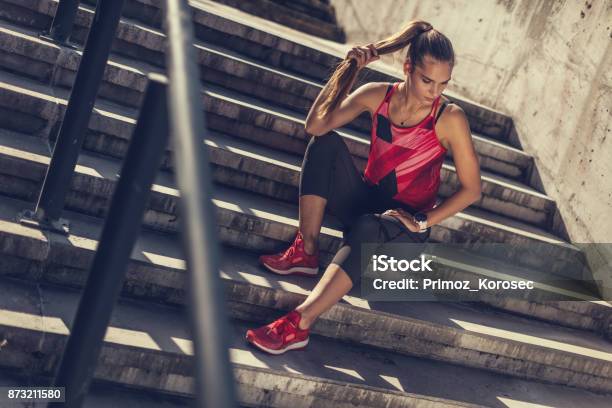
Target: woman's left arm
(456,130)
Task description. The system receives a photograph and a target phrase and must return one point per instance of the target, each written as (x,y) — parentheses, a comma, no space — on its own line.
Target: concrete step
(247,35)
(149,347)
(283,13)
(156,269)
(125,80)
(23,161)
(317,8)
(27,55)
(153,339)
(241,116)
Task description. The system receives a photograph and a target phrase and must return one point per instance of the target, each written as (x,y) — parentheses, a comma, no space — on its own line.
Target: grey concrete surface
(142,338)
(367,377)
(161,252)
(25,157)
(463,334)
(124,83)
(252,37)
(156,269)
(312,20)
(231,112)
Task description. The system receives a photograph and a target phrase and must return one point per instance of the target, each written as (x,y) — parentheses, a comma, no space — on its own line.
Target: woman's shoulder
(452,121)
(451,113)
(373,93)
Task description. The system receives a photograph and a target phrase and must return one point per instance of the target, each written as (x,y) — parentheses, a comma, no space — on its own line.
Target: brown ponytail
(433,43)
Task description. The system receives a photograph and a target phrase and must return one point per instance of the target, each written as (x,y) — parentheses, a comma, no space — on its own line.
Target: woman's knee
(365,228)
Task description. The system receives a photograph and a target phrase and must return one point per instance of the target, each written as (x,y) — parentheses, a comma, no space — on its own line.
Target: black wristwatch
(420,219)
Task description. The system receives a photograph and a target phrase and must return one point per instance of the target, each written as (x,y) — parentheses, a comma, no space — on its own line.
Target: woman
(394,200)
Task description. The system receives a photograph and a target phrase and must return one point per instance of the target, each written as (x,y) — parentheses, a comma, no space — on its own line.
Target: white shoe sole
(298,270)
(293,346)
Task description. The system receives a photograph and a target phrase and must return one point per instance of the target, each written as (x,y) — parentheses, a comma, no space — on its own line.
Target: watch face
(420,217)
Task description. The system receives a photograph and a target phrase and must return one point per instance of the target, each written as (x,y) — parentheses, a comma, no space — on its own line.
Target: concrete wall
(546,63)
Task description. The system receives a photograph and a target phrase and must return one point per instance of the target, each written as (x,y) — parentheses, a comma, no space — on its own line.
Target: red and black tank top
(405,162)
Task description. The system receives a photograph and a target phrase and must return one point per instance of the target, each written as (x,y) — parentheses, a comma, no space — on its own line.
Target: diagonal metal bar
(214,381)
(63,21)
(120,232)
(72,131)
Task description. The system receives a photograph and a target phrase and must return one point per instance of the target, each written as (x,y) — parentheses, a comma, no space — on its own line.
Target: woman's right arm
(362,99)
(352,105)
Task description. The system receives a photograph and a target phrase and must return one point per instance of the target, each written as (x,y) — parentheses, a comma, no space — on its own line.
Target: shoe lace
(279,326)
(291,250)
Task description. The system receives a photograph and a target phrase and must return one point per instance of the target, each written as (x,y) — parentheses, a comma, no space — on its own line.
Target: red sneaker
(280,336)
(294,261)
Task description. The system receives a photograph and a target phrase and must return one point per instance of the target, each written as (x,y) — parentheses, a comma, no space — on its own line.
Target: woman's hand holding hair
(404,217)
(363,55)
(336,105)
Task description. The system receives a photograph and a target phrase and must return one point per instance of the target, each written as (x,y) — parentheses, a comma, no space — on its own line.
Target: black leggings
(328,171)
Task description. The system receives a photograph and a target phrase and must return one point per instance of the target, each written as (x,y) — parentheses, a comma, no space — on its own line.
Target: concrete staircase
(316,17)
(259,79)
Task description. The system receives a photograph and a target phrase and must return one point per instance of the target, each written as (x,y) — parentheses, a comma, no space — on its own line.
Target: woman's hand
(363,55)
(404,217)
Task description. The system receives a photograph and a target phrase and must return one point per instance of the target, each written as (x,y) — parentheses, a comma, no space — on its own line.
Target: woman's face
(428,81)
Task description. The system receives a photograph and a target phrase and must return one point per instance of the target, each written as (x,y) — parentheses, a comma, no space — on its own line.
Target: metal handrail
(63,21)
(179,111)
(72,131)
(120,232)
(214,380)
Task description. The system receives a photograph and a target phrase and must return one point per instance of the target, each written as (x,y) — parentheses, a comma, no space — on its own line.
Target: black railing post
(72,132)
(61,27)
(214,383)
(120,232)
